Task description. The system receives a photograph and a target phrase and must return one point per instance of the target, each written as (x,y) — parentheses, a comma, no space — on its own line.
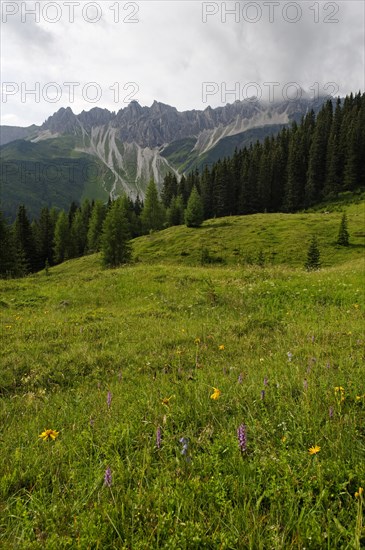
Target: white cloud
(170,52)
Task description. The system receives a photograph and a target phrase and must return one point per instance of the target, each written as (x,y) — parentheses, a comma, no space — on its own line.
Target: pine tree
(115,245)
(317,162)
(313,256)
(61,238)
(46,227)
(153,214)
(343,234)
(8,253)
(194,214)
(24,241)
(78,235)
(95,227)
(175,214)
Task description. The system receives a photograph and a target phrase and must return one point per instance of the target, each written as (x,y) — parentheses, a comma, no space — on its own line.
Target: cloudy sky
(188,54)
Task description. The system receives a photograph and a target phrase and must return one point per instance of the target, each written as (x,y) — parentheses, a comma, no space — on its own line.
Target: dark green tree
(194,214)
(115,243)
(317,162)
(313,256)
(24,241)
(61,238)
(8,252)
(343,234)
(46,228)
(95,227)
(175,213)
(153,214)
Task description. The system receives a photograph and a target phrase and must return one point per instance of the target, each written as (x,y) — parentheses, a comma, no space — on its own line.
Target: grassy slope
(69,338)
(283,238)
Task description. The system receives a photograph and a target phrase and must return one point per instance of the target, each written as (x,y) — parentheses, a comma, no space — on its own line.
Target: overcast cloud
(164,50)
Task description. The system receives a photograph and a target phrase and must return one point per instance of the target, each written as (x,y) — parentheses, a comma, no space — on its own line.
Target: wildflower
(262,395)
(290,355)
(108,477)
(359,492)
(221,347)
(49,434)
(314,450)
(242,438)
(240,378)
(358,398)
(284,438)
(92,422)
(197,341)
(266,381)
(340,392)
(216,394)
(330,412)
(185,444)
(158,437)
(166,401)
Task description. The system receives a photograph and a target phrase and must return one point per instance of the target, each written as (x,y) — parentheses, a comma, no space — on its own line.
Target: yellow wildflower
(197,341)
(314,450)
(49,434)
(284,438)
(359,492)
(339,388)
(221,347)
(216,394)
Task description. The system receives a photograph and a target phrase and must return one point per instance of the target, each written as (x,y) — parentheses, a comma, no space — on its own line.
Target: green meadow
(146,372)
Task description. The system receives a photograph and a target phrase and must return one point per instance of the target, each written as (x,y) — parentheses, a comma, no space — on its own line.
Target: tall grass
(108,358)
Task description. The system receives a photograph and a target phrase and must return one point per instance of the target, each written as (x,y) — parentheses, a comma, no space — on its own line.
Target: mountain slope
(120,152)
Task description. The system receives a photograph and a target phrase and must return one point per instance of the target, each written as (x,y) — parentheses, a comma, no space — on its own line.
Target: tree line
(304,164)
(310,161)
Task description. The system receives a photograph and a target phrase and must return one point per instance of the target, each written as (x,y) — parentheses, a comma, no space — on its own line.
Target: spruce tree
(175,214)
(343,234)
(95,227)
(115,243)
(194,214)
(313,256)
(24,241)
(46,227)
(153,213)
(8,253)
(61,238)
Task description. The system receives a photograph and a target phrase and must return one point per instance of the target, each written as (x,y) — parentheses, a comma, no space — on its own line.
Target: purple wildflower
(262,395)
(108,477)
(330,412)
(266,381)
(158,437)
(240,378)
(109,399)
(92,422)
(242,437)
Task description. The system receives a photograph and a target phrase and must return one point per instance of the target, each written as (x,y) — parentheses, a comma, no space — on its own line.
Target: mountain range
(99,153)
